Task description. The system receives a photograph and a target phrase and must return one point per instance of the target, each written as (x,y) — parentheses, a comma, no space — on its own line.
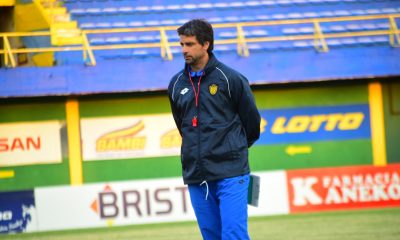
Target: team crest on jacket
(213,89)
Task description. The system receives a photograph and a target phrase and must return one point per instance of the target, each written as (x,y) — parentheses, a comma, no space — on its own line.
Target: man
(215,113)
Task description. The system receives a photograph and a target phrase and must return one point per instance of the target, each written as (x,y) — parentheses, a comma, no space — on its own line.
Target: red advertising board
(343,188)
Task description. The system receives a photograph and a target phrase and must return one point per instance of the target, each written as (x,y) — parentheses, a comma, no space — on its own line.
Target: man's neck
(200,65)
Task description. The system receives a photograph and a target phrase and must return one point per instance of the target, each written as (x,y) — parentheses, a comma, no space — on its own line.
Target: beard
(192,60)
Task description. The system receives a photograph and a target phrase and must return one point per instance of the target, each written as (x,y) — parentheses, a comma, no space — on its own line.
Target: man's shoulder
(228,71)
(176,76)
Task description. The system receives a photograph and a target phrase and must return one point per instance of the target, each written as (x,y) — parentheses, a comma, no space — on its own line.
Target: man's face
(192,50)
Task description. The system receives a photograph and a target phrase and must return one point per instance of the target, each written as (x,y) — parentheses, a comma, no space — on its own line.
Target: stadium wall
(308,131)
(291,136)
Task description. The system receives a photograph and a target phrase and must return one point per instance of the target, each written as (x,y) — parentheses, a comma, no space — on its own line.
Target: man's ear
(206,45)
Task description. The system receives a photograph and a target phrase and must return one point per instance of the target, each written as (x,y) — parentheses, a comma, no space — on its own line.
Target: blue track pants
(221,208)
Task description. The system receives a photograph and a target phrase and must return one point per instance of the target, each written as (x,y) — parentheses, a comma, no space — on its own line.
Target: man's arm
(247,109)
(174,110)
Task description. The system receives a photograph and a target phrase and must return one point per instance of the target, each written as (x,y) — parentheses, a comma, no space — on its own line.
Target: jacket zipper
(200,162)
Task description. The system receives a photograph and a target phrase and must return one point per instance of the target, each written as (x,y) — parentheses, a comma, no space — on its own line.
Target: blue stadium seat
(215,20)
(332,43)
(93,11)
(135,24)
(254,47)
(365,41)
(97,41)
(113,40)
(268,3)
(290,31)
(157,8)
(348,42)
(336,28)
(110,10)
(229,19)
(383,25)
(257,33)
(326,14)
(236,5)
(262,18)
(283,2)
(294,15)
(119,25)
(354,27)
(310,15)
(306,30)
(88,25)
(278,16)
(140,53)
(142,9)
(357,12)
(205,6)
(253,4)
(373,11)
(341,13)
(380,39)
(168,22)
(225,48)
(299,2)
(130,39)
(389,10)
(247,18)
(301,45)
(220,5)
(176,51)
(77,11)
(103,25)
(189,7)
(152,23)
(173,8)
(369,26)
(227,34)
(126,10)
(247,33)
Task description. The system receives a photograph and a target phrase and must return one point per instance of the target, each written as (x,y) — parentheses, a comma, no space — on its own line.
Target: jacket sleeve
(246,107)
(174,110)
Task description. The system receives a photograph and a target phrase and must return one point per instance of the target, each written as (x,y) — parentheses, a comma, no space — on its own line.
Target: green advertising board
(304,147)
(311,151)
(32,175)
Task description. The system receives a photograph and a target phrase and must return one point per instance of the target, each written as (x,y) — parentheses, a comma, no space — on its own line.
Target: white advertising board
(138,202)
(129,137)
(30,143)
(117,203)
(273,194)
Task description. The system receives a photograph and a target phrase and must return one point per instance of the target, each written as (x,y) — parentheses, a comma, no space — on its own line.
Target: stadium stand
(126,14)
(252,34)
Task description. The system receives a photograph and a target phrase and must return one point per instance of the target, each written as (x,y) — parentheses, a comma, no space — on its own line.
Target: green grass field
(374,224)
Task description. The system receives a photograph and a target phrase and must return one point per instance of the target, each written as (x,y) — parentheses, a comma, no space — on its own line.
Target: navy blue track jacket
(228,122)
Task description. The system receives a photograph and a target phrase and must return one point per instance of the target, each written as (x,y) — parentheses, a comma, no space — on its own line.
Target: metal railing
(319,37)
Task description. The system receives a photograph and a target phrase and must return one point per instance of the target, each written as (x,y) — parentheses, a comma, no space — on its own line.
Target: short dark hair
(201,29)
